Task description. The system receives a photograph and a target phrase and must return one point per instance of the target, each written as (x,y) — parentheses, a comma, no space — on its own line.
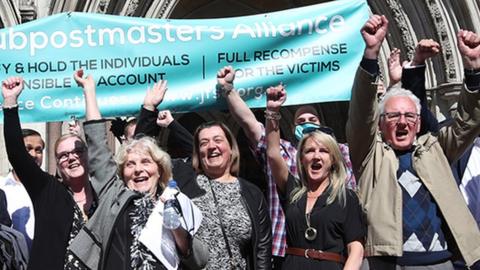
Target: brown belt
(316,254)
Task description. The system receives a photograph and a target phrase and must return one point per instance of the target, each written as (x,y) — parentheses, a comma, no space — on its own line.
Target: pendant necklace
(310,232)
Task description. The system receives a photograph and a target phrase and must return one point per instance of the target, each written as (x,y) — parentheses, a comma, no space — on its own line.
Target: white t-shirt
(19,206)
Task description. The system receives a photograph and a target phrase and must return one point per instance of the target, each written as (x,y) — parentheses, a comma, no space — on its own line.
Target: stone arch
(9,14)
(410,21)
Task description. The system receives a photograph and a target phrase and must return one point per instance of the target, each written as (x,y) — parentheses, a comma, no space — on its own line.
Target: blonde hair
(338,171)
(146,145)
(235,158)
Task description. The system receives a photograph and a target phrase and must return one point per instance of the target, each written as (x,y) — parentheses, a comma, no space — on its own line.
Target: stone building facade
(410,22)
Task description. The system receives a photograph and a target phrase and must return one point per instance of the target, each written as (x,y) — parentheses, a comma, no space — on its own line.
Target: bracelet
(272,115)
(10,107)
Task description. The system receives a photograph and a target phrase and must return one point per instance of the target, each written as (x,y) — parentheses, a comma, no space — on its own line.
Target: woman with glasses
(324,220)
(61,207)
(128,191)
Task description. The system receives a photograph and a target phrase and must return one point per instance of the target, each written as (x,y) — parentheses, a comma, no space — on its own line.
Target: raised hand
(164,118)
(92,112)
(394,66)
(425,49)
(469,47)
(74,127)
(225,78)
(11,89)
(154,96)
(276,96)
(373,33)
(87,83)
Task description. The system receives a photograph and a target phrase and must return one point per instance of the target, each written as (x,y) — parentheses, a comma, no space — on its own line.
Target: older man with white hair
(416,216)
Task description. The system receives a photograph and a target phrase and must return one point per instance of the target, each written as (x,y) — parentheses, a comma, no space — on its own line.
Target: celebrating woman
(325,225)
(236,225)
(61,208)
(111,240)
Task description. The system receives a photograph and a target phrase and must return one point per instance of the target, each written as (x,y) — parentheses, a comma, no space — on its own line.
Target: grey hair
(397,91)
(146,145)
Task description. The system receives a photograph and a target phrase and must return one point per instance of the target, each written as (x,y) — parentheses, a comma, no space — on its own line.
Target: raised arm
(425,49)
(31,175)
(373,33)
(74,127)
(179,132)
(363,115)
(456,137)
(394,67)
(276,96)
(237,107)
(146,123)
(413,79)
(92,112)
(101,164)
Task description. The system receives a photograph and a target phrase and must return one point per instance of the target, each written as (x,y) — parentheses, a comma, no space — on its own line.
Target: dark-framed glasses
(411,117)
(76,152)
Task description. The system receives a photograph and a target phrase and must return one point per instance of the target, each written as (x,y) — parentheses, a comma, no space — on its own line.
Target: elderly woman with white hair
(127,194)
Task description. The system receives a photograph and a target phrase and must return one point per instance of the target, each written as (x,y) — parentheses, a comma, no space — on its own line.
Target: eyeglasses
(395,116)
(76,152)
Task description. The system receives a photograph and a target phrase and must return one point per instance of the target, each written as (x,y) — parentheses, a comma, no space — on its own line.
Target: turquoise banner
(314,50)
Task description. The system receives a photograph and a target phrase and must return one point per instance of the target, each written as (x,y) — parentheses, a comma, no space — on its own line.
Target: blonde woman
(324,220)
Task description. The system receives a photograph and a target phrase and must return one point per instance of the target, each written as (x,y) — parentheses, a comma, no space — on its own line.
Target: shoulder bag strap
(221,223)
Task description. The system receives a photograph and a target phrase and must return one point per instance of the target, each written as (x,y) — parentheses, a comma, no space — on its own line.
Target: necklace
(310,232)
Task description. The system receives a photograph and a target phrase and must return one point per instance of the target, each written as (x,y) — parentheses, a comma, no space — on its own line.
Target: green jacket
(375,166)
